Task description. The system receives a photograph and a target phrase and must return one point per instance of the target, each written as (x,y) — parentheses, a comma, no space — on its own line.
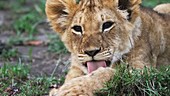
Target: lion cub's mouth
(94,65)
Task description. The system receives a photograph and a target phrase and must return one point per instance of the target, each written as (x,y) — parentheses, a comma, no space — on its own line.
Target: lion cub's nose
(92,52)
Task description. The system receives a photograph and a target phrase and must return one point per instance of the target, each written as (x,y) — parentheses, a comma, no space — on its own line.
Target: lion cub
(100,33)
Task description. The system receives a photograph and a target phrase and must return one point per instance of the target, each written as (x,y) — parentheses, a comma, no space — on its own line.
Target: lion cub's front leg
(76,69)
(74,72)
(85,85)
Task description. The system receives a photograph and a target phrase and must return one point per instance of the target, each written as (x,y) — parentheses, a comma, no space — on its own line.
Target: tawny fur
(140,35)
(163,8)
(85,85)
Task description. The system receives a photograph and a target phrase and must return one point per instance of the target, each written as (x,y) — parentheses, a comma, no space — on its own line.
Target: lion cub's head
(98,32)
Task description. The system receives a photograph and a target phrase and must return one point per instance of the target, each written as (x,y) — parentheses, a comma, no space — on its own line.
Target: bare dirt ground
(38,57)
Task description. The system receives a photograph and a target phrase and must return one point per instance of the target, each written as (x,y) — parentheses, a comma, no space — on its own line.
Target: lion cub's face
(96,31)
(99,33)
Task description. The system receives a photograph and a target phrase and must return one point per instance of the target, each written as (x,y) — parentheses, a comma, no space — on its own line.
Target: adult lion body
(98,33)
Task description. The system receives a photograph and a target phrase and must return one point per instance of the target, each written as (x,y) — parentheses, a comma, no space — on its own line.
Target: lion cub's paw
(85,85)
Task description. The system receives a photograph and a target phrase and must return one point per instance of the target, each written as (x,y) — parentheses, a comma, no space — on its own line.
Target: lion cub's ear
(132,7)
(59,12)
(128,4)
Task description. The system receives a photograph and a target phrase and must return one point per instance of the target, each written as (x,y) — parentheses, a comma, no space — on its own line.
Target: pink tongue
(94,65)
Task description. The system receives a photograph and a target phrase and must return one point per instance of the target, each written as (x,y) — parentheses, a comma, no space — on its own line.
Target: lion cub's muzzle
(93,59)
(92,53)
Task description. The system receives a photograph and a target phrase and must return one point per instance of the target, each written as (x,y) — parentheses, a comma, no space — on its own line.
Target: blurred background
(30,50)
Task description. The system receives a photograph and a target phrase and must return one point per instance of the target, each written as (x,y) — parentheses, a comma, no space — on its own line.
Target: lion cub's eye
(77,29)
(107,26)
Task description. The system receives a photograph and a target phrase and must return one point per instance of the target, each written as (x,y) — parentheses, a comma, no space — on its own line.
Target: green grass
(10,53)
(3,5)
(147,82)
(153,3)
(26,19)
(151,82)
(7,52)
(25,27)
(16,79)
(56,45)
